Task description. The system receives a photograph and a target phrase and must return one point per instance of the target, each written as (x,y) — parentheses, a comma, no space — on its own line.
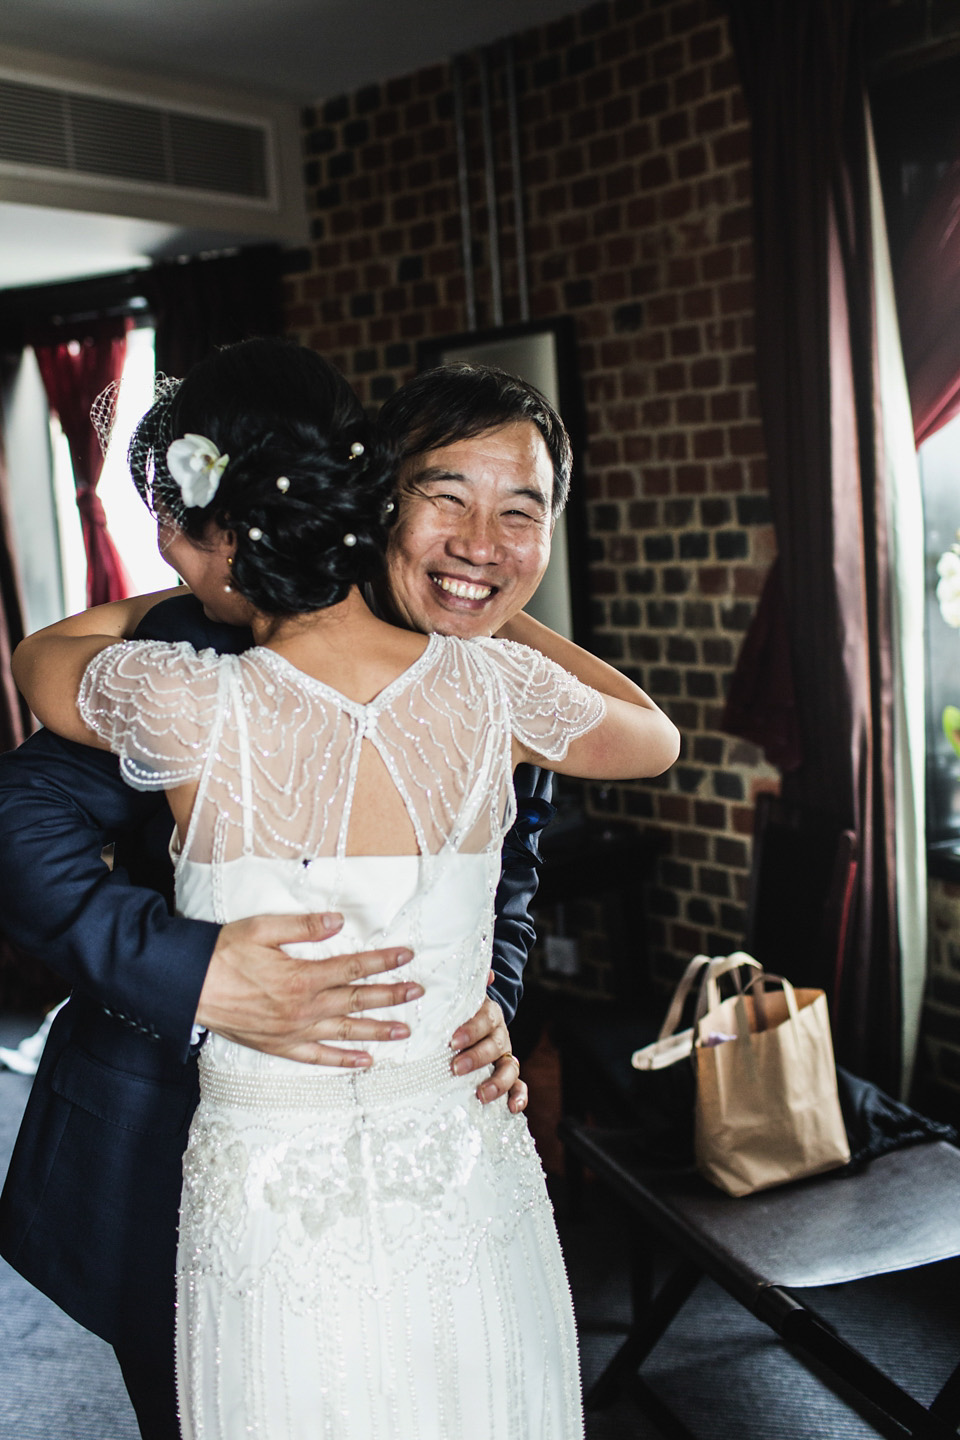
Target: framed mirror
(543,352)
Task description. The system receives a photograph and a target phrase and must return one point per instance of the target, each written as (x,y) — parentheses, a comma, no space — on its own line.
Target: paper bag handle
(719,965)
(756,984)
(709,997)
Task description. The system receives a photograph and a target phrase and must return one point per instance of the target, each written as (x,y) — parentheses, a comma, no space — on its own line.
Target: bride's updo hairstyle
(306,484)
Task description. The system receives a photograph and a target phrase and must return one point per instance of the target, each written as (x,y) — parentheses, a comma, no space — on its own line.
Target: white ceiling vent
(81,139)
(94,136)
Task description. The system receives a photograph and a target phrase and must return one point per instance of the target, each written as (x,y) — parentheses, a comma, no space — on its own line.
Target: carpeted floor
(722,1372)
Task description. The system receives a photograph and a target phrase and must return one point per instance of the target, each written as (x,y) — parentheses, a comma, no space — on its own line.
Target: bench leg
(644,1333)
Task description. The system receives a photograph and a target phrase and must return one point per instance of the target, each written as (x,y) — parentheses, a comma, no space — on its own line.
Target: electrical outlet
(562,955)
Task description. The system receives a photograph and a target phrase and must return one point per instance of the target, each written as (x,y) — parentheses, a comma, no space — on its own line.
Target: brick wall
(635,151)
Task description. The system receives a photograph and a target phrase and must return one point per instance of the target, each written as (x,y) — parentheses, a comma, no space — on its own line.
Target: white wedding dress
(363,1255)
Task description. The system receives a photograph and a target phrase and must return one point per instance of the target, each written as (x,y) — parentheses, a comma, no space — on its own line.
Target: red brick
(708,444)
(685,340)
(564,98)
(727,479)
(746,440)
(709,815)
(723,75)
(725,405)
(671,446)
(656,412)
(689,87)
(742,368)
(673,127)
(691,409)
(713,580)
(748,581)
(586,260)
(675,808)
(623,549)
(608,220)
(668,59)
(604,582)
(655,480)
(706,44)
(691,480)
(620,183)
(597,86)
(711,115)
(655,172)
(638,140)
(618,112)
(637,448)
(671,377)
(676,202)
(705,374)
(612,287)
(620,485)
(698,303)
(741,820)
(731,147)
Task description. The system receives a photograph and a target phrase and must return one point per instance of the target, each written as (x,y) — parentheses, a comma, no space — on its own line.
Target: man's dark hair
(456,402)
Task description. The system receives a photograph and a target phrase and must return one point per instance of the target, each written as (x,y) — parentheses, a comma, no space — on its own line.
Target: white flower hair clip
(197,465)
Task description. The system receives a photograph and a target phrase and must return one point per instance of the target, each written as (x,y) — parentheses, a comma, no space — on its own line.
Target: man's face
(472,537)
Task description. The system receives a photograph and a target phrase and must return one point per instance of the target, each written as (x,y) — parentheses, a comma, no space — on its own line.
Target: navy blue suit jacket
(89,1210)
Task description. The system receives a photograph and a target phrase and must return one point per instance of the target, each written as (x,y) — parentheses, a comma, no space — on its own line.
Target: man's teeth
(461,589)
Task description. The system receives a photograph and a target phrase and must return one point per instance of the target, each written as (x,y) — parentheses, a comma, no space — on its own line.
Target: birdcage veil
(146,454)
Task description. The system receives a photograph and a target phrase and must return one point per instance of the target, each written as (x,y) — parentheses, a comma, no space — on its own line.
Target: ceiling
(303,49)
(300,50)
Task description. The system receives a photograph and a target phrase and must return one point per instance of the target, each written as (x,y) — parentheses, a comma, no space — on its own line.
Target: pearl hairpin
(283,484)
(349,539)
(254,533)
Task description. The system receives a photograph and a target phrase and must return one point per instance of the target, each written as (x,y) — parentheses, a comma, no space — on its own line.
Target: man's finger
(518,1096)
(274,930)
(505,1074)
(488,1021)
(343,1001)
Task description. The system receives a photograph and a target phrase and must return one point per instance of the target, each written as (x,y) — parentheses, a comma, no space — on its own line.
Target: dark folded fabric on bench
(877,1124)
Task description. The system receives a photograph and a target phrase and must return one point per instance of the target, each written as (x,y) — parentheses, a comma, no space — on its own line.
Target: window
(130,524)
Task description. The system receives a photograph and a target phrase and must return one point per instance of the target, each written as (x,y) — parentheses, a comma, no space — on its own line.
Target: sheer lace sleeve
(549,707)
(156,705)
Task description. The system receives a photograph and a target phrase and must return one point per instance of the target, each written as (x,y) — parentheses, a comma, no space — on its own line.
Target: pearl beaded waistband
(325,1089)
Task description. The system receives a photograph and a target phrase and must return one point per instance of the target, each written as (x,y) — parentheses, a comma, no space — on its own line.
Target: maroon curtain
(928,302)
(15,718)
(75,369)
(816,361)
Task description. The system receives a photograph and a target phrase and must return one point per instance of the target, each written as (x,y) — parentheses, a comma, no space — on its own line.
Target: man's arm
(60,804)
(513,935)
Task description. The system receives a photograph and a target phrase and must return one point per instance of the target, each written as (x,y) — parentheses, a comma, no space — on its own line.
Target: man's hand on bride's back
(259,996)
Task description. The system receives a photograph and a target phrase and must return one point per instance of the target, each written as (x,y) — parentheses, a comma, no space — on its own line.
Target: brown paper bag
(767,1109)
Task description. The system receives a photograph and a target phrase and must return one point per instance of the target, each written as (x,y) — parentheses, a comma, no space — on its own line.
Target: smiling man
(484,472)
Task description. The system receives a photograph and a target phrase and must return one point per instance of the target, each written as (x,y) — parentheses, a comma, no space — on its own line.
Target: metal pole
(491,186)
(518,215)
(463,190)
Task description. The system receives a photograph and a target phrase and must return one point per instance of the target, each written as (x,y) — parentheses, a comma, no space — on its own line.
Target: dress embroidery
(366,1255)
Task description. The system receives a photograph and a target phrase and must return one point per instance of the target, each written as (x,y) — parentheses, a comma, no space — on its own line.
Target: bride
(365,1254)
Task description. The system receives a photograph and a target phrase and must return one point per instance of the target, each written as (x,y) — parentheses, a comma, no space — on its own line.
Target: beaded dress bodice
(369,1228)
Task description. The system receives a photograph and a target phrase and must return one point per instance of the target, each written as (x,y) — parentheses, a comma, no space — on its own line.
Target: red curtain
(74,371)
(928,302)
(816,359)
